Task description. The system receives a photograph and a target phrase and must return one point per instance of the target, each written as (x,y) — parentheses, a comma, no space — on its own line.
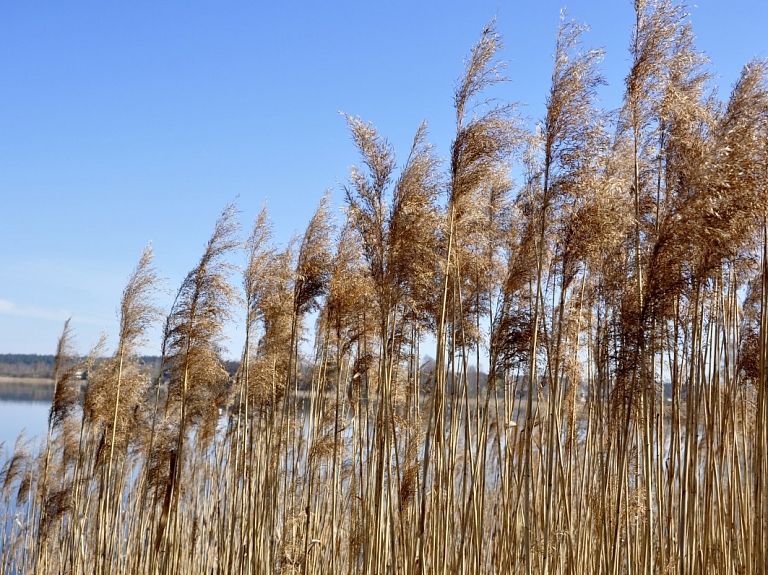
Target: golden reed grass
(617,295)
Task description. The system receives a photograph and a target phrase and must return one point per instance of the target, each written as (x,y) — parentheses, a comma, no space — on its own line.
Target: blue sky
(128,122)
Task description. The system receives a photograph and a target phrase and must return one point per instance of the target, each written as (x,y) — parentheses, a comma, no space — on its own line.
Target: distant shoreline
(26,389)
(4,379)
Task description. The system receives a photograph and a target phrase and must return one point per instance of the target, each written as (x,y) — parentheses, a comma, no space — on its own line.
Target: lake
(22,412)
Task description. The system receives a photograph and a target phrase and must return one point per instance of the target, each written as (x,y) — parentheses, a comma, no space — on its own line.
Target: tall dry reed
(617,295)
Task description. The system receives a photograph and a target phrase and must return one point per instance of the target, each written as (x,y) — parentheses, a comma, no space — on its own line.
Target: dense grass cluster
(617,294)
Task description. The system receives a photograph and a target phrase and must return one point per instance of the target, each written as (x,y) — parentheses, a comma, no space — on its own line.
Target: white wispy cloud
(8,307)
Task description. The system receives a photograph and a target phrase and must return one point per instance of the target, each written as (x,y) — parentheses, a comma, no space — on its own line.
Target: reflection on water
(23,406)
(21,391)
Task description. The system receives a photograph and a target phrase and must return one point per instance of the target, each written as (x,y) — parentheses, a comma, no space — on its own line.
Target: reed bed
(617,295)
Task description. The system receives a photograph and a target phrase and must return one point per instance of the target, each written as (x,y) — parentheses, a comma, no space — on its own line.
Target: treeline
(42,366)
(26,365)
(632,255)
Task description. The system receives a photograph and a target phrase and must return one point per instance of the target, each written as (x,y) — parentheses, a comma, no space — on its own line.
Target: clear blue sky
(128,122)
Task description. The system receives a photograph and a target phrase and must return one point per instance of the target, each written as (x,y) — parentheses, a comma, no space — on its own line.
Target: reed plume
(197,387)
(396,227)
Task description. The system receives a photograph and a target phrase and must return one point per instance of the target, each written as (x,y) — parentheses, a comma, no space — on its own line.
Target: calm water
(15,416)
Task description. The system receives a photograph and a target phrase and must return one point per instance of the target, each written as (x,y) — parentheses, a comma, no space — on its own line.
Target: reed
(617,295)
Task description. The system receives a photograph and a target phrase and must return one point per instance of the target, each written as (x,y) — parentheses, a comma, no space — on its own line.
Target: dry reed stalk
(197,377)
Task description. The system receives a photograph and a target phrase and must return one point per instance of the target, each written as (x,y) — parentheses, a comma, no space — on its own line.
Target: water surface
(15,416)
